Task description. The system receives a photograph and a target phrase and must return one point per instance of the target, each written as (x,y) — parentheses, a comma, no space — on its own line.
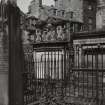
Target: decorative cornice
(94,34)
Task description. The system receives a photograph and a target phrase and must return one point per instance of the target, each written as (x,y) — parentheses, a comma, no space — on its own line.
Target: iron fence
(52,76)
(89,70)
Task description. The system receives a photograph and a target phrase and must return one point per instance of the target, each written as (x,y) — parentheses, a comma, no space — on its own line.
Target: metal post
(70,46)
(15,56)
(70,51)
(97,77)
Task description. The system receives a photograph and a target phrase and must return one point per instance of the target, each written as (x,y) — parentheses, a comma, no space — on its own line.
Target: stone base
(3,88)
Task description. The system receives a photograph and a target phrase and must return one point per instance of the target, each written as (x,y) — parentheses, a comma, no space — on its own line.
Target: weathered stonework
(100,14)
(3,68)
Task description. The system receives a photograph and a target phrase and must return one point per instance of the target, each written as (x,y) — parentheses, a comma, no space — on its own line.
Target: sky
(23,4)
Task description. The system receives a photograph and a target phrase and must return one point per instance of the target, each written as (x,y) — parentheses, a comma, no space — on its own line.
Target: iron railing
(51,75)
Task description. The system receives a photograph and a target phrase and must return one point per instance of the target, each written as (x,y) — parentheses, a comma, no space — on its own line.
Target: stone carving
(60,34)
(38,35)
(51,34)
(48,35)
(32,38)
(44,36)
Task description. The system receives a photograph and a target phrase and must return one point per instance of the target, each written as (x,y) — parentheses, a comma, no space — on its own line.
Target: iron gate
(51,80)
(46,73)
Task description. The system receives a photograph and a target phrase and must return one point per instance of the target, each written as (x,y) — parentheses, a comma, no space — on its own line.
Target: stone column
(3,68)
(16,56)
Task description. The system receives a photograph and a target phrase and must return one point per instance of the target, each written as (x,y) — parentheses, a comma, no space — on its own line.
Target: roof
(55,20)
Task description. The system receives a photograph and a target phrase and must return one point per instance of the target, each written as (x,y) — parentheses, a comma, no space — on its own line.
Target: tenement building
(84,10)
(80,11)
(58,11)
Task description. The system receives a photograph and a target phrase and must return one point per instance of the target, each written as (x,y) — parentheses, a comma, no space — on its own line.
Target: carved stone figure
(53,34)
(44,34)
(64,34)
(60,35)
(38,35)
(48,36)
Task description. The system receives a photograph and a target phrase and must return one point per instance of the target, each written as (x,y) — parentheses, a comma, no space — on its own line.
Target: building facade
(89,14)
(83,11)
(74,6)
(100,14)
(66,9)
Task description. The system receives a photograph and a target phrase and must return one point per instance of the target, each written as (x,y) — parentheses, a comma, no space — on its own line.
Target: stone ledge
(3,72)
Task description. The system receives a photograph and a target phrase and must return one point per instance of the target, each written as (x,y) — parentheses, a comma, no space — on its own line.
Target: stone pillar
(16,56)
(3,68)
